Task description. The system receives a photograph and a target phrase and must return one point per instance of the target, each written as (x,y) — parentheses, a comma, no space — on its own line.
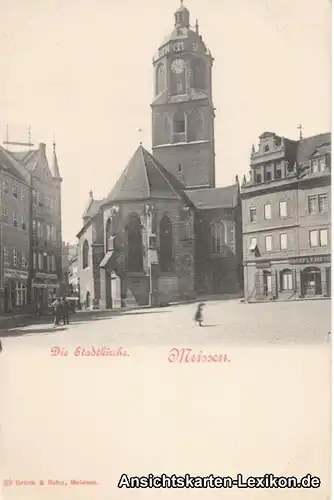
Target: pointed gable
(35,161)
(144,178)
(92,207)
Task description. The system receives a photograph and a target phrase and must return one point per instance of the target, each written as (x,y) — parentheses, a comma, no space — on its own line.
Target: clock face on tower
(177,66)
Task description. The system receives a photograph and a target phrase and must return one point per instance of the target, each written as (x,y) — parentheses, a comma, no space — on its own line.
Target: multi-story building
(165,232)
(14,234)
(287,219)
(34,215)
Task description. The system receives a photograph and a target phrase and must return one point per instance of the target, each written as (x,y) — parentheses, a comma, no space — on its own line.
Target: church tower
(182,108)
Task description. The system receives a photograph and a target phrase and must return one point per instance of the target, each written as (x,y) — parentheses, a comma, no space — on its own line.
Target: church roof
(145,178)
(223,197)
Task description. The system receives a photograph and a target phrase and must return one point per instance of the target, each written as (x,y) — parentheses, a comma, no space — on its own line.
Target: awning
(253,246)
(106,259)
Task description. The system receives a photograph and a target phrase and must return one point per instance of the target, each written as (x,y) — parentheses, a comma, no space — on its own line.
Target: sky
(82,71)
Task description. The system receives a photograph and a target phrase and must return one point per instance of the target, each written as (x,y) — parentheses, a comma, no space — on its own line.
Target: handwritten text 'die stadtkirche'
(93,351)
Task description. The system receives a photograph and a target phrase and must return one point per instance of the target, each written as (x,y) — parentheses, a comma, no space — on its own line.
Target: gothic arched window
(179,126)
(85,251)
(134,247)
(217,237)
(109,233)
(160,77)
(166,244)
(199,74)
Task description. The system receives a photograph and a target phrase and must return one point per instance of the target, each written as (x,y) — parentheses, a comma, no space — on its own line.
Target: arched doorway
(311,281)
(267,283)
(87,300)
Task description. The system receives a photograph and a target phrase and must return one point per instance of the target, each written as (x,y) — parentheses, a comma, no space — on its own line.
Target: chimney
(42,147)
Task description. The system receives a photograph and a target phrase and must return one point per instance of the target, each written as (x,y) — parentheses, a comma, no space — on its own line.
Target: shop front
(295,278)
(45,288)
(15,292)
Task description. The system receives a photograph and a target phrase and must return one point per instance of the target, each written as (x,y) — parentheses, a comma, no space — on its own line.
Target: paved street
(265,409)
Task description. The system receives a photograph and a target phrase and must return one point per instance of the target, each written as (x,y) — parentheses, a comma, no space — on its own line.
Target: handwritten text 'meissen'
(92,351)
(190,356)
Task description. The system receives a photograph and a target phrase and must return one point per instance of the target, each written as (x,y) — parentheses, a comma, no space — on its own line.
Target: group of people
(61,309)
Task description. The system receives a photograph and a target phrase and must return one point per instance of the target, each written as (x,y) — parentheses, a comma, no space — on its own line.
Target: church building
(165,232)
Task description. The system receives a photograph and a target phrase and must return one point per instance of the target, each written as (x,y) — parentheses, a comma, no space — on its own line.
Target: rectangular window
(252,214)
(314,238)
(268,243)
(23,223)
(322,164)
(267,211)
(35,260)
(34,228)
(252,244)
(5,256)
(40,261)
(34,197)
(323,237)
(51,205)
(53,263)
(323,203)
(314,166)
(258,176)
(15,191)
(24,261)
(5,187)
(5,215)
(283,241)
(312,204)
(278,172)
(14,258)
(38,229)
(22,195)
(268,175)
(283,209)
(15,223)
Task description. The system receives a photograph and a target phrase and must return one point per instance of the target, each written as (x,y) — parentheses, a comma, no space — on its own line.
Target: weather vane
(139,130)
(300,128)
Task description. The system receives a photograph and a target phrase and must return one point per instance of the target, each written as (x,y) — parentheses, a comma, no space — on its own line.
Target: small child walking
(199,314)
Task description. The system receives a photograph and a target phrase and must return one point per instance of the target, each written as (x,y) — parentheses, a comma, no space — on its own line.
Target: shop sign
(310,259)
(16,274)
(263,264)
(46,276)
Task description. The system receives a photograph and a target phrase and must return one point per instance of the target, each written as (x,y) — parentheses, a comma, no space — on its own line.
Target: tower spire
(182,16)
(55,166)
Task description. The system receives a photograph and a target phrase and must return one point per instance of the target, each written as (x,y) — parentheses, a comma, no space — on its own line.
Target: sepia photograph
(165,249)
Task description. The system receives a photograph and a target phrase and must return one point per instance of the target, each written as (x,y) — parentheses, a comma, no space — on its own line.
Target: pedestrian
(199,314)
(0,347)
(65,310)
(57,307)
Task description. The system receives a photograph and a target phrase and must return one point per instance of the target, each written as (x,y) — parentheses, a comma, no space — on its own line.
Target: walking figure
(65,310)
(199,314)
(57,306)
(0,347)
